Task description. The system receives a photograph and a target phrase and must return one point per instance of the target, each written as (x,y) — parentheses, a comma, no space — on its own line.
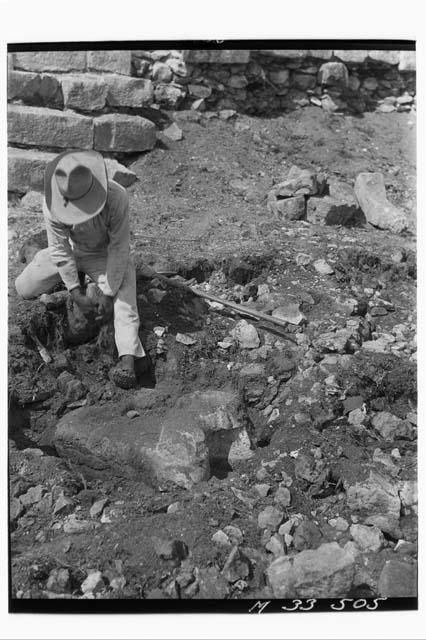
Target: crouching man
(87,223)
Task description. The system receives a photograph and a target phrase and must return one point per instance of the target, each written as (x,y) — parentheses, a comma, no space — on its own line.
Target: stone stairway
(109,100)
(72,99)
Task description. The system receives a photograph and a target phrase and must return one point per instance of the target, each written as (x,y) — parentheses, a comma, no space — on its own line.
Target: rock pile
(304,195)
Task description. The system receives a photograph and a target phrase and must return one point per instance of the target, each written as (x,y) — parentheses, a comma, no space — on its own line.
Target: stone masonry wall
(267,81)
(106,100)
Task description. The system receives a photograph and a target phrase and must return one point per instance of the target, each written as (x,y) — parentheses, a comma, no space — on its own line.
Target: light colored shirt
(106,233)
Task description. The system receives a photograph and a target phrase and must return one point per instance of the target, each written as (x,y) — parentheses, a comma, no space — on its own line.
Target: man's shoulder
(117,195)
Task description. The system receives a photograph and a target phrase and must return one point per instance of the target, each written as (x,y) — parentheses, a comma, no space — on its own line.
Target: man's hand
(86,304)
(104,308)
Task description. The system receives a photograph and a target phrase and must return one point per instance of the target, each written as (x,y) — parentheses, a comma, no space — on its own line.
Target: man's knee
(24,288)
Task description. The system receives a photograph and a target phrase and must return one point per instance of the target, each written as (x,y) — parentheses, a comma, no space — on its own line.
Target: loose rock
(288,208)
(371,194)
(282,496)
(275,546)
(339,523)
(262,489)
(323,268)
(375,496)
(270,517)
(32,496)
(173,132)
(391,427)
(367,538)
(398,580)
(58,581)
(234,534)
(289,313)
(307,535)
(246,335)
(326,572)
(93,583)
(221,538)
(97,508)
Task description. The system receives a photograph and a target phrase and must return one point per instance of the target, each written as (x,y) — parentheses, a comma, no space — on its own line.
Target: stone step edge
(35,157)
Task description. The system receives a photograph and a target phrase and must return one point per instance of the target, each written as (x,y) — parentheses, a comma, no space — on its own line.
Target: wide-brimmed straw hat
(75,186)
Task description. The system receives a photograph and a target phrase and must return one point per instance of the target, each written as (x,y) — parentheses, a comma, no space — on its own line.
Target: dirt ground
(198,209)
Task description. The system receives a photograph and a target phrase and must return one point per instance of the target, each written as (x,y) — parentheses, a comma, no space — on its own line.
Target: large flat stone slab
(57,61)
(217,56)
(288,54)
(42,127)
(164,444)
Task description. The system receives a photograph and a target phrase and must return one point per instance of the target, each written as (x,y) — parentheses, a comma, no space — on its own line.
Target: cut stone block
(57,61)
(128,92)
(34,88)
(217,56)
(42,127)
(110,61)
(289,54)
(85,92)
(124,133)
(26,169)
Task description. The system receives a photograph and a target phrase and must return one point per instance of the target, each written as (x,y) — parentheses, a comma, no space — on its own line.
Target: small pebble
(221,538)
(93,583)
(173,507)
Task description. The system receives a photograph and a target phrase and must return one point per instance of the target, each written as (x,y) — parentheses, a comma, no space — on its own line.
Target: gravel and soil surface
(330,414)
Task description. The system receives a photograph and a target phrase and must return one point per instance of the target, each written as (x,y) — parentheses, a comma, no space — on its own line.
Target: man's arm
(62,257)
(119,241)
(60,250)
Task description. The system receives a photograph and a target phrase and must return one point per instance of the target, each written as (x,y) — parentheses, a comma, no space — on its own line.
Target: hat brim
(88,206)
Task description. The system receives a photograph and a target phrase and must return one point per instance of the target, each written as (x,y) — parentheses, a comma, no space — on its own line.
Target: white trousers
(41,275)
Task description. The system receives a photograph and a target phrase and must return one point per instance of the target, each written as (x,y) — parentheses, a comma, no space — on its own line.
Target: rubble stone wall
(265,81)
(103,99)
